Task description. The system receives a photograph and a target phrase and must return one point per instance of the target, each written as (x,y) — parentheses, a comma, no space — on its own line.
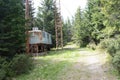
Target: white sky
(68,7)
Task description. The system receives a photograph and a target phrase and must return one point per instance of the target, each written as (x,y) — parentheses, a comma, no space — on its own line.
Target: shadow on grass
(61,51)
(68,51)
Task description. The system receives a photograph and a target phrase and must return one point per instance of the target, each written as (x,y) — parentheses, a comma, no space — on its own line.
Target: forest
(97,27)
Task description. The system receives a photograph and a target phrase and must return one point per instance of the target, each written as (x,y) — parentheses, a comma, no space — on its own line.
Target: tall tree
(96,18)
(77,25)
(111,10)
(67,31)
(12,33)
(81,29)
(45,17)
(31,13)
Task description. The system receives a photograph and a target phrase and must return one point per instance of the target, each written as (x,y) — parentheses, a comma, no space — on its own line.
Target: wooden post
(58,26)
(27,25)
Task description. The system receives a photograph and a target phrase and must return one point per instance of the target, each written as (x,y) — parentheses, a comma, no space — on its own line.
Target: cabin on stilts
(39,40)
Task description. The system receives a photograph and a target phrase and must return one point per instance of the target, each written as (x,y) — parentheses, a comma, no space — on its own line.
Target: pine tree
(12,33)
(77,26)
(45,17)
(96,18)
(67,31)
(31,13)
(111,10)
(81,30)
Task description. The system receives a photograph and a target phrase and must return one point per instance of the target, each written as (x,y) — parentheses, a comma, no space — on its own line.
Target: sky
(68,7)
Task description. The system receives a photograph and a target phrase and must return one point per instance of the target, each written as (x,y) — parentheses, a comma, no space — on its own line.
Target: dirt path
(91,66)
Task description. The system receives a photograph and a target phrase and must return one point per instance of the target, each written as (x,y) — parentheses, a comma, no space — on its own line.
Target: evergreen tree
(111,10)
(45,17)
(81,30)
(31,13)
(67,31)
(77,25)
(96,18)
(12,33)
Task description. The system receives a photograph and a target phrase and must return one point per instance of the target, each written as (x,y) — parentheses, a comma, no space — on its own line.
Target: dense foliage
(3,68)
(12,39)
(12,33)
(88,24)
(21,64)
(18,65)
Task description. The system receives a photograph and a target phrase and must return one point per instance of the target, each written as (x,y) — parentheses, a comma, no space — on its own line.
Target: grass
(44,70)
(61,65)
(49,67)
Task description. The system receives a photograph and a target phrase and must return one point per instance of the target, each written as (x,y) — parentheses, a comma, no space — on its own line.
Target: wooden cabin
(39,40)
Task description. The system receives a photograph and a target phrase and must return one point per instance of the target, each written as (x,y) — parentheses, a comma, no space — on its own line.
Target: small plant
(111,45)
(21,64)
(92,46)
(116,61)
(3,68)
(103,44)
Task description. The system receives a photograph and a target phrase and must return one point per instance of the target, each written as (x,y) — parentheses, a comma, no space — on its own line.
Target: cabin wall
(40,37)
(35,38)
(39,40)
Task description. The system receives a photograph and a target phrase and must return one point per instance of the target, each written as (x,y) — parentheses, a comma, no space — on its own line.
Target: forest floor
(71,63)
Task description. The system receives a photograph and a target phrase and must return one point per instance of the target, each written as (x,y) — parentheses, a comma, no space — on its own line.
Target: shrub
(21,64)
(103,44)
(2,74)
(111,45)
(116,61)
(4,65)
(92,46)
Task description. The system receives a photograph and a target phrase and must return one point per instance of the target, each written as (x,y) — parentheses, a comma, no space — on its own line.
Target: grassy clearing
(49,67)
(71,63)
